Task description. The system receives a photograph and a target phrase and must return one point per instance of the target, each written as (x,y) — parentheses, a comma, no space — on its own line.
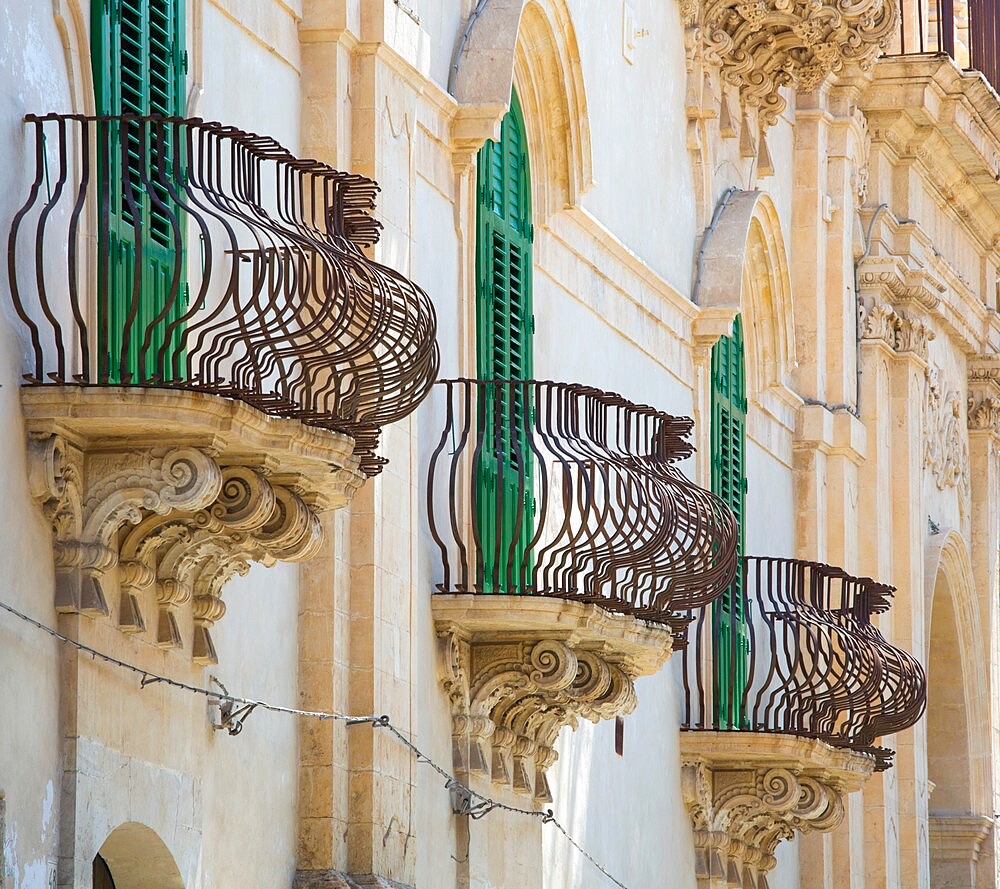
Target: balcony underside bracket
(156,498)
(517,669)
(746,792)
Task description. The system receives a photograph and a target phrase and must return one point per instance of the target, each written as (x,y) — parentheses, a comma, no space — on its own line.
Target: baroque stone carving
(515,680)
(946,447)
(746,793)
(196,525)
(764,45)
(171,525)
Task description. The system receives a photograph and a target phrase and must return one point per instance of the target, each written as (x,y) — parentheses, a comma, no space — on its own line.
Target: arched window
(139,65)
(504,328)
(729,617)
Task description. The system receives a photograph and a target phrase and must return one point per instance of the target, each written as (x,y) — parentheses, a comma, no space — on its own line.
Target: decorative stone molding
(764,45)
(746,792)
(517,669)
(132,516)
(888,278)
(958,838)
(946,446)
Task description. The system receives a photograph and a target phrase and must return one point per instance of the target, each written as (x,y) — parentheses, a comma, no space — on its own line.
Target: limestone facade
(685,169)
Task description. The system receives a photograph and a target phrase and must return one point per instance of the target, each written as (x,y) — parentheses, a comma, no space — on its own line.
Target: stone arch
(72,23)
(743,269)
(956,702)
(531,45)
(958,732)
(138,859)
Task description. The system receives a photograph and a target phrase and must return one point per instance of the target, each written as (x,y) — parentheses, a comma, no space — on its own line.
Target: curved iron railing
(967,30)
(808,662)
(557,489)
(217,262)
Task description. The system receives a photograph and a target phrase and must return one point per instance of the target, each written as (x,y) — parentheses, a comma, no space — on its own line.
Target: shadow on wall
(134,857)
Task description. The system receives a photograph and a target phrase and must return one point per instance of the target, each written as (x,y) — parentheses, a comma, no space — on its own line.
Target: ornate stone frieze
(946,446)
(747,792)
(135,521)
(518,669)
(764,45)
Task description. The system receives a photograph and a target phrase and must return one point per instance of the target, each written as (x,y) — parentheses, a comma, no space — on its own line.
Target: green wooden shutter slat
(730,620)
(503,351)
(137,52)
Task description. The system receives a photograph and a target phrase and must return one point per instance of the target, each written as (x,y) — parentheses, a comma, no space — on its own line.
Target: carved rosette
(161,529)
(746,793)
(514,684)
(764,45)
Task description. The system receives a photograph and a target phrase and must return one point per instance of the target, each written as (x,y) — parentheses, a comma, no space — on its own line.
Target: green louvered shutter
(504,328)
(138,61)
(729,617)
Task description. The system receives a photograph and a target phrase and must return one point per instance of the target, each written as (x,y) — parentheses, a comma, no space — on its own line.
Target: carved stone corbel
(747,792)
(516,672)
(88,508)
(170,525)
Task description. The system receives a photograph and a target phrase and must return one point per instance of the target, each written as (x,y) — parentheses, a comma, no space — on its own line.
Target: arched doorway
(134,857)
(955,722)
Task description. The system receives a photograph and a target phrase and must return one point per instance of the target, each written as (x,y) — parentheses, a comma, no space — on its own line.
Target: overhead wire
(476,810)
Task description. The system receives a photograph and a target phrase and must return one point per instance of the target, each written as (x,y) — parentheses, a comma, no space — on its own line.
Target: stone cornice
(517,669)
(165,495)
(923,108)
(958,837)
(746,792)
(764,45)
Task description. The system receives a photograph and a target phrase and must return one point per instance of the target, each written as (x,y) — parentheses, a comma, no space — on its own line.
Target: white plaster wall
(626,811)
(146,754)
(642,172)
(32,78)
(770,524)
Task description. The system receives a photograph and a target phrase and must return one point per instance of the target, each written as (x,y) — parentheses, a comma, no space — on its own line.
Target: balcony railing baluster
(186,254)
(966,30)
(815,664)
(556,489)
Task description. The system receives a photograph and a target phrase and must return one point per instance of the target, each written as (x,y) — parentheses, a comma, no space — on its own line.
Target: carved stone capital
(983,407)
(169,525)
(747,792)
(517,669)
(904,334)
(764,45)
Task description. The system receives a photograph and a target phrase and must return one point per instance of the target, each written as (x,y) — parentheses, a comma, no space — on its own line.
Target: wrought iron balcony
(805,660)
(539,488)
(171,253)
(966,30)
